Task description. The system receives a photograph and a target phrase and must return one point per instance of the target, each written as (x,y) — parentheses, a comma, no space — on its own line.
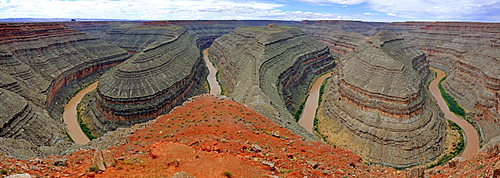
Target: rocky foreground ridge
(209,137)
(36,61)
(377,105)
(269,68)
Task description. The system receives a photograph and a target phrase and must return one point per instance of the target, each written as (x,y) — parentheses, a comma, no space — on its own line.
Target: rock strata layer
(270,68)
(377,105)
(154,80)
(37,62)
(21,119)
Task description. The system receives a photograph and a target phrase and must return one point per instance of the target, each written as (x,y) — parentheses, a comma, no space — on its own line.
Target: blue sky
(365,10)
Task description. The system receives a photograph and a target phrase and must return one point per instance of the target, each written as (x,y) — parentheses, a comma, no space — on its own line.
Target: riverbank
(309,112)
(70,116)
(215,88)
(471,136)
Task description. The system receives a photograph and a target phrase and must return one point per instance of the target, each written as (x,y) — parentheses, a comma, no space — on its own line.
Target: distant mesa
(377,105)
(270,68)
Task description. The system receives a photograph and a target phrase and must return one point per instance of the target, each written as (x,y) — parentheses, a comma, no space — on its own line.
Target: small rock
(34,168)
(91,174)
(313,164)
(452,163)
(256,148)
(174,163)
(98,161)
(276,134)
(183,174)
(492,151)
(270,164)
(25,175)
(37,160)
(496,169)
(417,172)
(61,162)
(121,158)
(108,158)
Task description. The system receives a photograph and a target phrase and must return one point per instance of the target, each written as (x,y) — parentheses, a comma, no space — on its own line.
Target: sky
(364,10)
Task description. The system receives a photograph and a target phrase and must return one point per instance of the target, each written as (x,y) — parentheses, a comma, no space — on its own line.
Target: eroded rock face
(21,119)
(377,105)
(468,53)
(476,85)
(153,80)
(37,61)
(339,41)
(270,68)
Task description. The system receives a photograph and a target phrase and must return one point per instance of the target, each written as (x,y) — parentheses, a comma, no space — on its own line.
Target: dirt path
(212,79)
(471,136)
(307,117)
(70,117)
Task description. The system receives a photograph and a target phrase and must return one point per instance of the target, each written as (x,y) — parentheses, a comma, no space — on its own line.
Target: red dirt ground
(217,138)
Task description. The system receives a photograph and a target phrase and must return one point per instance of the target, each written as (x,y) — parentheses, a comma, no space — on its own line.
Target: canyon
(145,69)
(270,69)
(376,104)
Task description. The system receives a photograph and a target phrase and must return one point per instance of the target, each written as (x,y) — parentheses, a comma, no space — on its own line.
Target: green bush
(450,101)
(227,174)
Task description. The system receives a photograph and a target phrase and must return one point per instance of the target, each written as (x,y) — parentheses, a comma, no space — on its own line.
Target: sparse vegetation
(86,130)
(450,101)
(458,147)
(300,109)
(227,174)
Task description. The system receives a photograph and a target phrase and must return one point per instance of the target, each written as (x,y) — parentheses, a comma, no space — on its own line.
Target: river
(212,79)
(70,117)
(471,136)
(309,112)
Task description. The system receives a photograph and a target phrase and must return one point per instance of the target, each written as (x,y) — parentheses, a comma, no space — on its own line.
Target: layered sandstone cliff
(37,63)
(475,84)
(467,52)
(377,105)
(154,80)
(339,41)
(270,68)
(21,119)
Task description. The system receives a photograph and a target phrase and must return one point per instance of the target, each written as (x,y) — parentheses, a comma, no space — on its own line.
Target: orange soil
(208,137)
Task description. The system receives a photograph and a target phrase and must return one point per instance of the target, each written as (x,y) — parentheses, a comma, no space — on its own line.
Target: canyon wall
(376,104)
(464,50)
(37,61)
(154,80)
(339,41)
(270,68)
(467,52)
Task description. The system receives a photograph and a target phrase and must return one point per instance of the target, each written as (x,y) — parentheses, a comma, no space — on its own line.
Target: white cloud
(429,9)
(324,2)
(368,13)
(129,9)
(391,14)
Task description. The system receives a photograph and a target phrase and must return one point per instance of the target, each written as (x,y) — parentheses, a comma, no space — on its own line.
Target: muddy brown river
(70,117)
(307,118)
(471,136)
(212,79)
